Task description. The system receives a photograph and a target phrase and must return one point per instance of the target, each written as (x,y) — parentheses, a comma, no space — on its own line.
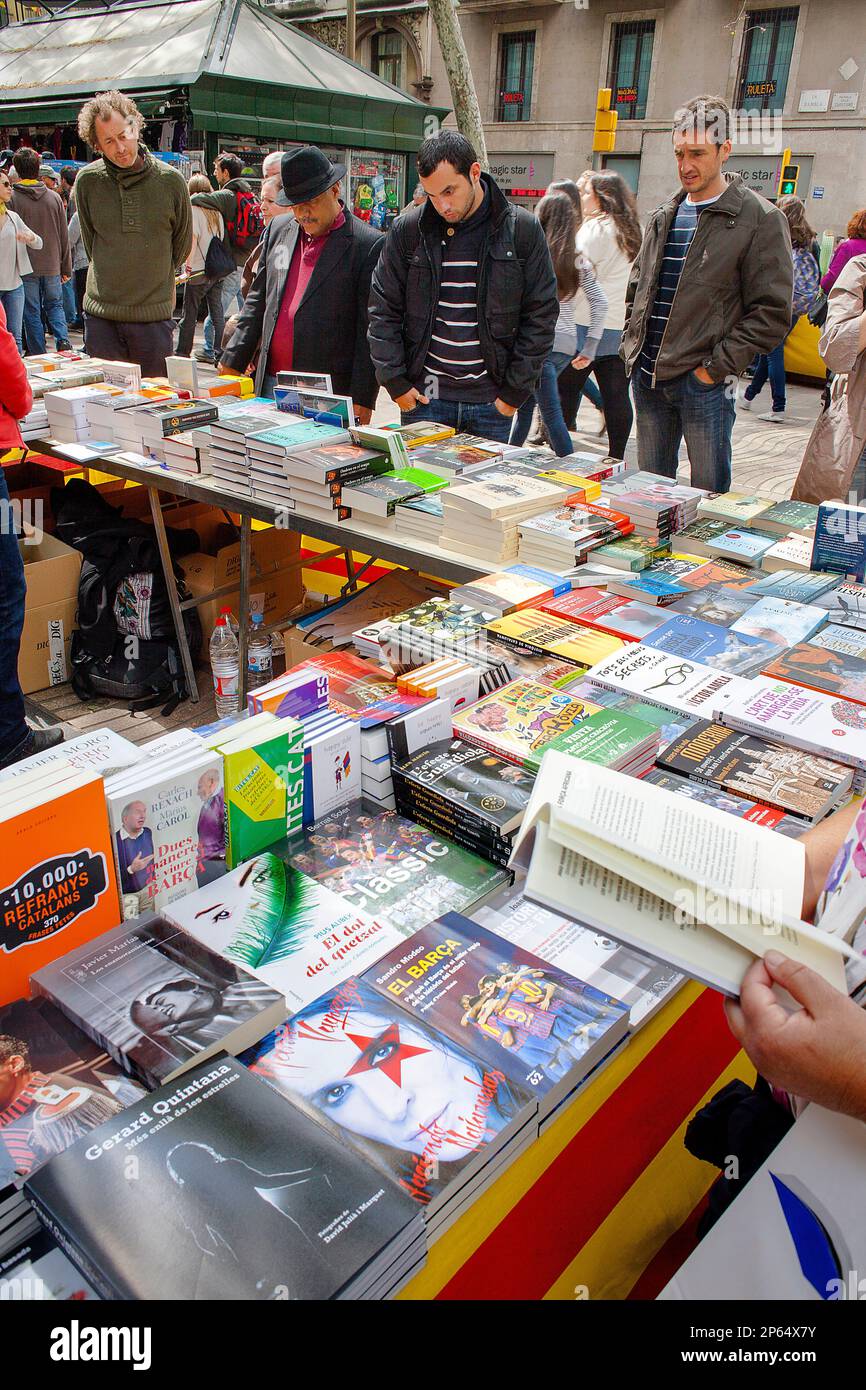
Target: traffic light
(788,181)
(788,175)
(604,134)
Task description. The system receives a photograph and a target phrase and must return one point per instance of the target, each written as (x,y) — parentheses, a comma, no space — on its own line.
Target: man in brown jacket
(43,212)
(712,286)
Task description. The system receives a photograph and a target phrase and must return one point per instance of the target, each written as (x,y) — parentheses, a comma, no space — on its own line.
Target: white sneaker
(743,403)
(775,417)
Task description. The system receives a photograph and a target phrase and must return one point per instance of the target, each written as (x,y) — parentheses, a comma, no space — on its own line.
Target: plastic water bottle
(226,612)
(259,654)
(224,664)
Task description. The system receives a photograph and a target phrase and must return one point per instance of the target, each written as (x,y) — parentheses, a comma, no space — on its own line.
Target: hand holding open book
(706,891)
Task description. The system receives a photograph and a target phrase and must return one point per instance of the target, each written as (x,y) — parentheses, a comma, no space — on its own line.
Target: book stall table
(589,1209)
(343,537)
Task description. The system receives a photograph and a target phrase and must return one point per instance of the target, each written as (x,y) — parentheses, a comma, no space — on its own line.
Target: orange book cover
(58,887)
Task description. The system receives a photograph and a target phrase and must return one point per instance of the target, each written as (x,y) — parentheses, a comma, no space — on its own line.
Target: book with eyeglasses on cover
(686,883)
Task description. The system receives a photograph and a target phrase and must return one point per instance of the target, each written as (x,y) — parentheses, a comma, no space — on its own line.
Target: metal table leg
(243,616)
(171,586)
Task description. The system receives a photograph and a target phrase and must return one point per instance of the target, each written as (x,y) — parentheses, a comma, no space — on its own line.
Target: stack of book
(612,738)
(242,1220)
(393,868)
(373,500)
(432,628)
(457,456)
(686,499)
(460,790)
(167,819)
(551,635)
(562,539)
(518,721)
(632,553)
(270,455)
(519,586)
(786,779)
(449,678)
(263,781)
(332,763)
(228,453)
(58,1087)
(653,516)
(67,412)
(317,476)
(296,694)
(420,519)
(482,518)
(736,508)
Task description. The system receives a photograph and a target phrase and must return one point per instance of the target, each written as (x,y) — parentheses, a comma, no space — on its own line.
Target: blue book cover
(780,621)
(840,540)
(653,586)
(303,432)
(546,577)
(747,546)
(714,645)
(796,586)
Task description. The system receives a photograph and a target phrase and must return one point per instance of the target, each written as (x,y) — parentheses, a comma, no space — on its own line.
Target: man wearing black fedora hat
(307,306)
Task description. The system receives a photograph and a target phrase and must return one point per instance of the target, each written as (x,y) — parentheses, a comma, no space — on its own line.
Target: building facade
(793,72)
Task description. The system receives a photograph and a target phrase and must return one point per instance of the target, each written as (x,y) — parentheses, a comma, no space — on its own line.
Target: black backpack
(125,645)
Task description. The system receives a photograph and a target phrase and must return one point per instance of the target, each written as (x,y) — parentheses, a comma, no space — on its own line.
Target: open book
(693,886)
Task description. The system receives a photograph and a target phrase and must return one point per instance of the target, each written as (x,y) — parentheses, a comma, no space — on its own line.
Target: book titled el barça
(58,887)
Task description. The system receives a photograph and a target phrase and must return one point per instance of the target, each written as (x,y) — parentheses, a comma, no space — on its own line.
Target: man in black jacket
(464,301)
(307,306)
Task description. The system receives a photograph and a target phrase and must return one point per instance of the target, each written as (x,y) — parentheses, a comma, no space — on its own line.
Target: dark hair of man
(26,162)
(231,165)
(447,147)
(68,174)
(13,1047)
(704,114)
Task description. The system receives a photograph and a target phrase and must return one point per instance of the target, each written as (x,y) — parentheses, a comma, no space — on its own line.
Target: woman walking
(15,237)
(573,273)
(771,365)
(609,237)
(207,223)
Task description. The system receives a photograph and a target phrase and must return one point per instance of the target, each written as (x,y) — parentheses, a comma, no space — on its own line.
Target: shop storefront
(240,80)
(522,177)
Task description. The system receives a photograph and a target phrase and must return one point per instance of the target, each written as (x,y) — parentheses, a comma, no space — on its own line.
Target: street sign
(817,192)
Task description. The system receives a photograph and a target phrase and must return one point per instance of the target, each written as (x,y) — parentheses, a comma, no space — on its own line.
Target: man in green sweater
(136,227)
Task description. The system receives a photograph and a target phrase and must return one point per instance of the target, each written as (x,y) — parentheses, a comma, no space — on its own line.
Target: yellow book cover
(588,486)
(544,632)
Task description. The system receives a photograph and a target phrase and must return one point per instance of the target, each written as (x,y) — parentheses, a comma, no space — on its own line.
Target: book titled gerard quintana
(689,884)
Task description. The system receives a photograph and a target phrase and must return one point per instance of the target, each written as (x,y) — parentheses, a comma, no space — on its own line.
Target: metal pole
(351,18)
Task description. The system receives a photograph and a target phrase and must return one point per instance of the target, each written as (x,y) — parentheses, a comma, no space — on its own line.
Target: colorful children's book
(518,721)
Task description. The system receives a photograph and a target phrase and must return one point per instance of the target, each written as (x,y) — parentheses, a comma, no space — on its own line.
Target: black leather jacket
(517,299)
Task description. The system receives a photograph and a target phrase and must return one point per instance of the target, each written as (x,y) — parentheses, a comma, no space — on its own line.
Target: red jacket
(16,398)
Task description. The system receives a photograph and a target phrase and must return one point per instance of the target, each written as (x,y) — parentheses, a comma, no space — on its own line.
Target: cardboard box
(274,589)
(43,660)
(51,570)
(51,573)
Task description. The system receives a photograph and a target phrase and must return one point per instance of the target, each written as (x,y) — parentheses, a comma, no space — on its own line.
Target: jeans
(547,397)
(231,293)
(43,292)
(772,365)
(609,371)
(466,417)
(70,308)
(194,292)
(685,407)
(13,730)
(13,303)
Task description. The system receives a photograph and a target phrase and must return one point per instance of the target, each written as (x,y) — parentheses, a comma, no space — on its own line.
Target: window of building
(386,56)
(768,40)
(516,61)
(631,56)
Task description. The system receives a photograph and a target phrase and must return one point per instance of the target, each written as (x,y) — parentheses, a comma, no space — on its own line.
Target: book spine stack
(424,804)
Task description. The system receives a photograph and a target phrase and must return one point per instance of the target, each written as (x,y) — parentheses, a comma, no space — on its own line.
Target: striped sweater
(454,357)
